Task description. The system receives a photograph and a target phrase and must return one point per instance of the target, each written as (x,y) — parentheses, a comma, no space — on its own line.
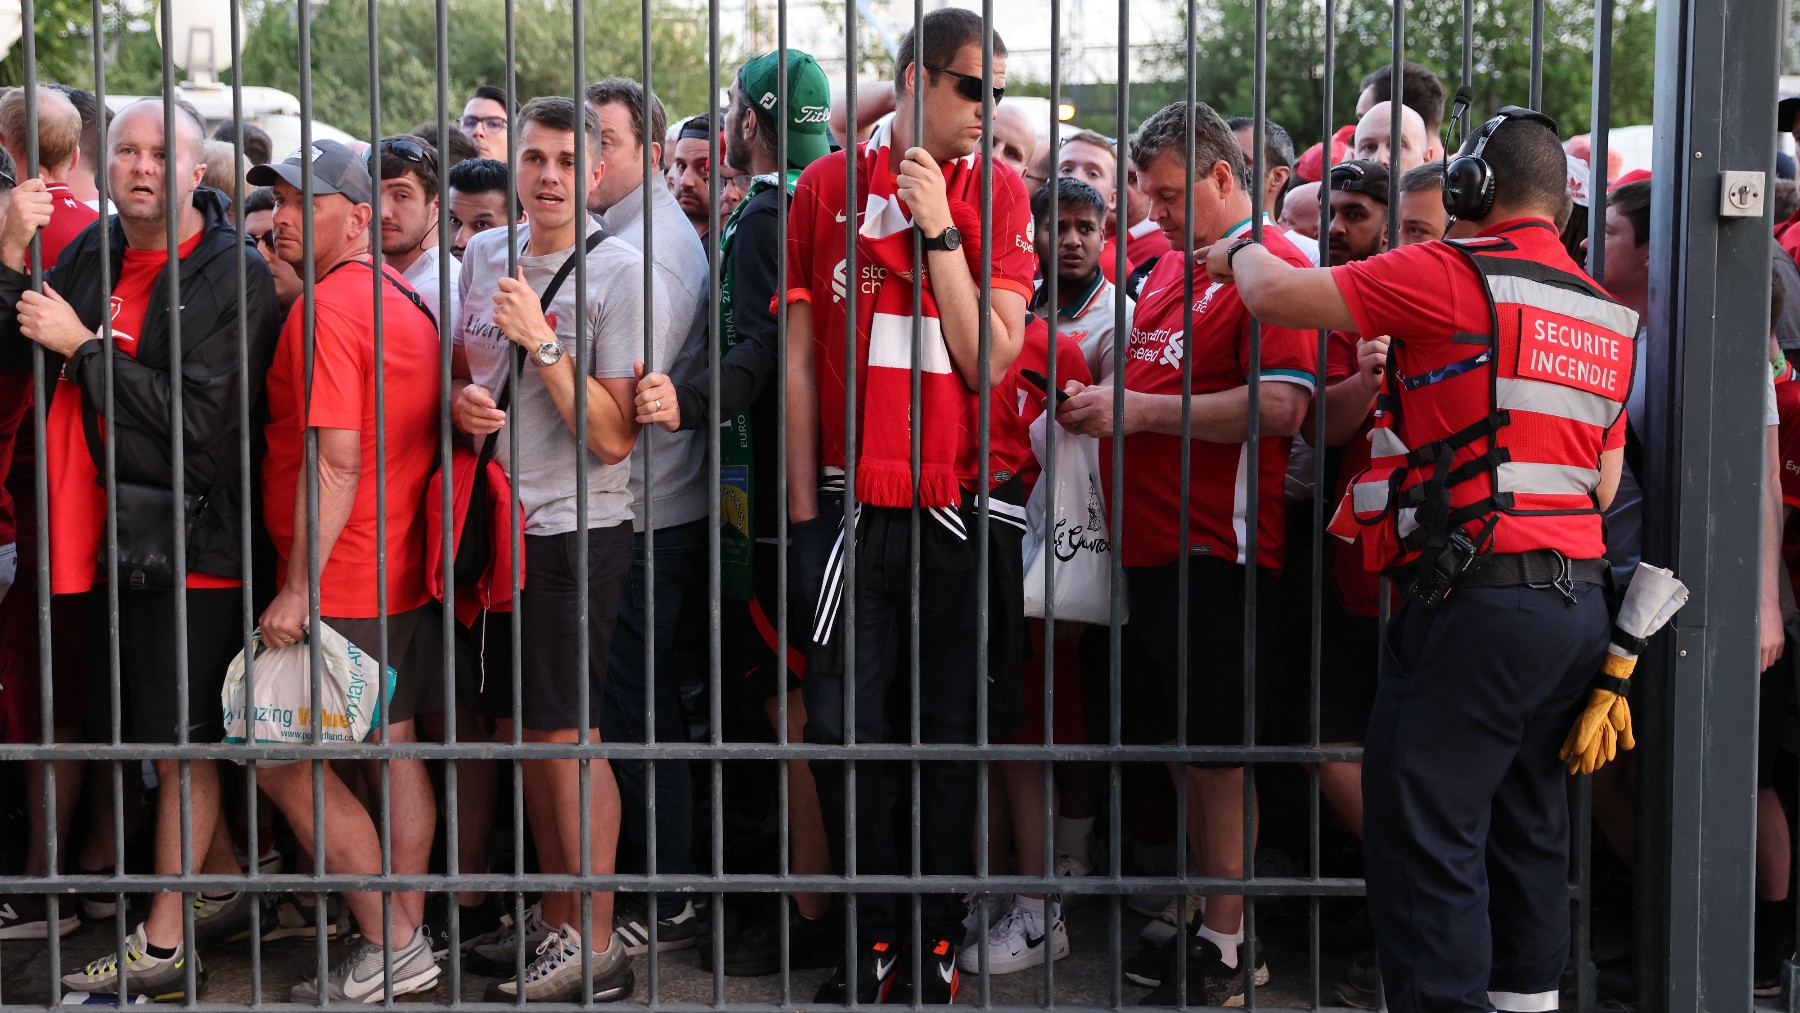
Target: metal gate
(1715,70)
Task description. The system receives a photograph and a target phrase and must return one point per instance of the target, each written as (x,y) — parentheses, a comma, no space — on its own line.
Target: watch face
(549,353)
(951,238)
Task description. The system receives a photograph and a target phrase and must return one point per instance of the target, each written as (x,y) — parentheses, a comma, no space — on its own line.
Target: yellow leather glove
(1604,726)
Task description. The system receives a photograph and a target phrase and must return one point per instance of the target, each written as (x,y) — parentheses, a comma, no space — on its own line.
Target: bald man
(1300,212)
(1372,137)
(1014,138)
(58,149)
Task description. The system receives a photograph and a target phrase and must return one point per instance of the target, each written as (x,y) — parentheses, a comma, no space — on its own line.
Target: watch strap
(1231,251)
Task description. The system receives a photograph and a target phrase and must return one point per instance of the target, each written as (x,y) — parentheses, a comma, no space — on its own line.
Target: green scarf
(737,533)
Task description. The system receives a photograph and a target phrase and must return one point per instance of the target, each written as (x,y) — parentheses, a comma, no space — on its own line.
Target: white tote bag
(355,688)
(1069,518)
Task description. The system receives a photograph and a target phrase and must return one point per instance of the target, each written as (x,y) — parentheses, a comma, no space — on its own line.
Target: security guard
(1507,377)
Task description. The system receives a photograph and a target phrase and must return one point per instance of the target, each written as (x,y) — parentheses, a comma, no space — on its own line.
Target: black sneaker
(1774,947)
(674,933)
(1360,986)
(1209,981)
(874,974)
(937,968)
(475,923)
(1151,963)
(755,950)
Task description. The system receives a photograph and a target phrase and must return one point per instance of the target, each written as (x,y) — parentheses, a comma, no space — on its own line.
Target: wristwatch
(949,239)
(548,354)
(1231,251)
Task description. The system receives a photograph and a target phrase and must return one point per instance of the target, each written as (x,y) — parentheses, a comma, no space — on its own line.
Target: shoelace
(547,965)
(1004,927)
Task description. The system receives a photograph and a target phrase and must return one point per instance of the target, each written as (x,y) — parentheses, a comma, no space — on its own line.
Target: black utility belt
(1536,568)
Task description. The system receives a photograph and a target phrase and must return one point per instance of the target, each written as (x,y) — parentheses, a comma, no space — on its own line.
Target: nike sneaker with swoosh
(873,977)
(361,976)
(1020,940)
(939,978)
(1209,981)
(556,974)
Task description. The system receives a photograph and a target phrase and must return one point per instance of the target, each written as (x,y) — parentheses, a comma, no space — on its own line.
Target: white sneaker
(1019,940)
(1071,866)
(998,904)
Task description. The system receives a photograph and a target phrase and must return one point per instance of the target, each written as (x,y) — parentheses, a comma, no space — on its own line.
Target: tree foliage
(1225,37)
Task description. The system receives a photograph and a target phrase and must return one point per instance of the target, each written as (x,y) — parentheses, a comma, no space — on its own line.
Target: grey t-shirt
(545,475)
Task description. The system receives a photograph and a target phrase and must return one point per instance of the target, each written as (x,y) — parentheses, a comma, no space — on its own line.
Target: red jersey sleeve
(1421,290)
(340,371)
(802,216)
(1615,434)
(1015,258)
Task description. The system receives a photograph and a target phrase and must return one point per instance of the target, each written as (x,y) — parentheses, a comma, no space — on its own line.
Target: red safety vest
(1531,402)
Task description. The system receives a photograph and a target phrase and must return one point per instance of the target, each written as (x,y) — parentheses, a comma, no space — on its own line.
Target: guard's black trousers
(1465,803)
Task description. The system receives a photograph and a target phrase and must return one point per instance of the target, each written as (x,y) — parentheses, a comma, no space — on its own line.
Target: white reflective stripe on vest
(1546,479)
(1383,443)
(1369,497)
(1554,399)
(1568,302)
(1525,1002)
(1408,521)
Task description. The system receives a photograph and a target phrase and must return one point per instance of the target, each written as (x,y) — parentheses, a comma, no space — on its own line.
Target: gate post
(1709,316)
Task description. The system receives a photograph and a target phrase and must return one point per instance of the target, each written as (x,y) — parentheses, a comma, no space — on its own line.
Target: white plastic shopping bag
(1068,517)
(355,688)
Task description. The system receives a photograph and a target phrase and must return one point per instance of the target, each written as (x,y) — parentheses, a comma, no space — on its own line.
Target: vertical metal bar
(1253,491)
(1184,516)
(915,957)
(784,788)
(1708,300)
(516,636)
(1396,110)
(584,633)
(849,608)
(984,500)
(1537,55)
(1315,658)
(1052,891)
(646,443)
(446,502)
(1116,517)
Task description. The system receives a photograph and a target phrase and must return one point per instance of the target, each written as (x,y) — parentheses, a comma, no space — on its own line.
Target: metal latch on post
(1740,194)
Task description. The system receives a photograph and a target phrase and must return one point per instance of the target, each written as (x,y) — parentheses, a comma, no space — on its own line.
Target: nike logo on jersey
(841,218)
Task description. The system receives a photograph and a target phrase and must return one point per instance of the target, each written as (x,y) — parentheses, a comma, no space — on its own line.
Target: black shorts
(1349,668)
(415,652)
(549,693)
(1775,699)
(148,697)
(1214,675)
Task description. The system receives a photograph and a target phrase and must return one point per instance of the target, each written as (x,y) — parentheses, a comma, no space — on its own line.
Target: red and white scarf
(948,410)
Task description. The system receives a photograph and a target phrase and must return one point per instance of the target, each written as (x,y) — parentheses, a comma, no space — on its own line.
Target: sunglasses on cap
(410,150)
(969,86)
(6,180)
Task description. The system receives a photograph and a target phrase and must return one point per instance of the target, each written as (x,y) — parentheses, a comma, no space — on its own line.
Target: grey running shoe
(497,955)
(221,917)
(361,977)
(162,979)
(556,976)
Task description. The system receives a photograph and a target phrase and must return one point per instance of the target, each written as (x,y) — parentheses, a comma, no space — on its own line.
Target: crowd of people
(574,299)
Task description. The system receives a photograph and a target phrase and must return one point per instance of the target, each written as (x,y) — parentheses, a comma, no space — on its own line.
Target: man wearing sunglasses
(409,220)
(485,118)
(920,193)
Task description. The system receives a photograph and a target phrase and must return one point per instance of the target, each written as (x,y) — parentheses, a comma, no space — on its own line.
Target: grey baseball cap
(336,168)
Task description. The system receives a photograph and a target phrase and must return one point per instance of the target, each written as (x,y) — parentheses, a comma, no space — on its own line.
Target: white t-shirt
(423,277)
(613,336)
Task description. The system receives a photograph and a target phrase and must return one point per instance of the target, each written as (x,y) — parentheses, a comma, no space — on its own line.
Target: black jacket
(211,358)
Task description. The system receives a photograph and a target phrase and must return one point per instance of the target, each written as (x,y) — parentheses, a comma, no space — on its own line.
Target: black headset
(1468,182)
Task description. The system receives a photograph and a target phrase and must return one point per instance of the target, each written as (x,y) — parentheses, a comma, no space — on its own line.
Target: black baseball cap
(336,168)
(1361,176)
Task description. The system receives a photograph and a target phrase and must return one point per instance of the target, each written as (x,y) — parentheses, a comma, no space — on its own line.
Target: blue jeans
(680,565)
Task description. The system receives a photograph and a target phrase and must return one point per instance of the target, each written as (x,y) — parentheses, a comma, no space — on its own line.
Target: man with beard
(409,220)
(146,173)
(690,166)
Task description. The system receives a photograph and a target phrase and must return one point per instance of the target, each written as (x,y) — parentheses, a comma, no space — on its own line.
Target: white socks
(1227,944)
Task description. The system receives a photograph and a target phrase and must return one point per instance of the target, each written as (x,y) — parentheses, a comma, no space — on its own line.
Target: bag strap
(503,397)
(411,296)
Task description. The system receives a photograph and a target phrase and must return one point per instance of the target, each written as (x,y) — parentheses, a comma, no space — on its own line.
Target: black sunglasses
(267,239)
(969,86)
(410,150)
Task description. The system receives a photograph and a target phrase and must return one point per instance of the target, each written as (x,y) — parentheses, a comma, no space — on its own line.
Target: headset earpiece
(1468,182)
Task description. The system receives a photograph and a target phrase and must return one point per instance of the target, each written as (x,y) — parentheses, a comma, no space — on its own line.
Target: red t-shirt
(1428,292)
(1787,403)
(1358,589)
(1787,235)
(1138,249)
(816,228)
(343,397)
(68,217)
(77,497)
(1018,402)
(1220,473)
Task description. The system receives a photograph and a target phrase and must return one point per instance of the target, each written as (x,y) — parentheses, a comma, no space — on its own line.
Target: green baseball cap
(808,105)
